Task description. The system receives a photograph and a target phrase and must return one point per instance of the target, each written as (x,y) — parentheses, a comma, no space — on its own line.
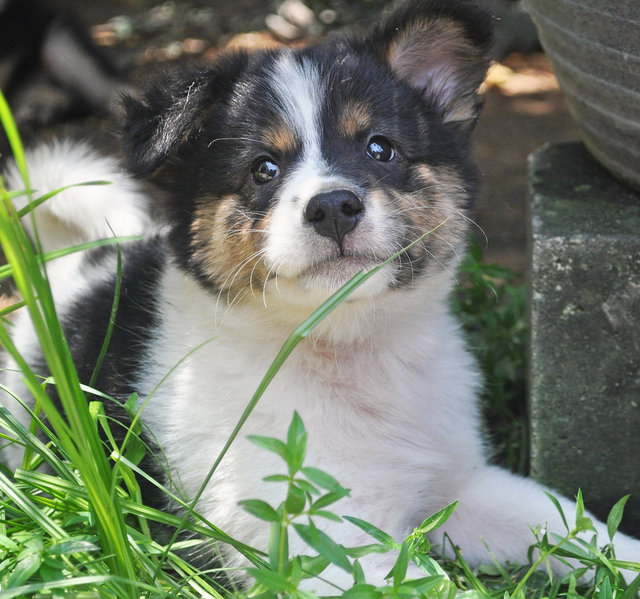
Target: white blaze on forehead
(298,88)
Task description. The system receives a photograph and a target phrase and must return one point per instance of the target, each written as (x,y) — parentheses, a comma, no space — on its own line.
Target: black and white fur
(286,172)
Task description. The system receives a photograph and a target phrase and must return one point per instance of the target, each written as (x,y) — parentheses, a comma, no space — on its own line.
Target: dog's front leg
(498,511)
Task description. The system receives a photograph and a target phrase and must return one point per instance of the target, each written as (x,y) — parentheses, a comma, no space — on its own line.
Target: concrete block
(585,330)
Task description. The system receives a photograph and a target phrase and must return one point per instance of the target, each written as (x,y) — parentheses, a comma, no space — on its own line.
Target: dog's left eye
(264,170)
(380,149)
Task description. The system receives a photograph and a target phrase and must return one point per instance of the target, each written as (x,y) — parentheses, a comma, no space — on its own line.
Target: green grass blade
(30,509)
(11,131)
(112,320)
(31,441)
(7,270)
(31,589)
(77,434)
(43,198)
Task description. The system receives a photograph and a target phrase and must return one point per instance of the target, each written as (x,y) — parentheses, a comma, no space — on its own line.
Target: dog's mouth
(343,264)
(332,272)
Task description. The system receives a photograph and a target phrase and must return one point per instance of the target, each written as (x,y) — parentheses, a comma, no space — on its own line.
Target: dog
(283,174)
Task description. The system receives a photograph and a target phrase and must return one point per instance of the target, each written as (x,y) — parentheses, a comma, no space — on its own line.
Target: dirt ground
(524,109)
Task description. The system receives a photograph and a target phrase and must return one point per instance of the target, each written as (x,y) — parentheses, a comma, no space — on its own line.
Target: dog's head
(306,165)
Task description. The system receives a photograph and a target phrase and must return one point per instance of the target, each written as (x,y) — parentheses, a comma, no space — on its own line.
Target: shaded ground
(522,112)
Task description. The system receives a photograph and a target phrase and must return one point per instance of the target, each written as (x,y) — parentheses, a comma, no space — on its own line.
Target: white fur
(84,212)
(300,91)
(387,393)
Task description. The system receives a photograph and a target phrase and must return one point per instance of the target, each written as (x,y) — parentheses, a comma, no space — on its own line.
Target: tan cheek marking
(438,209)
(355,118)
(227,245)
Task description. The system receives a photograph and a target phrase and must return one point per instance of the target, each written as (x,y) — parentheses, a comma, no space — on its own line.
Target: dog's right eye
(264,170)
(380,149)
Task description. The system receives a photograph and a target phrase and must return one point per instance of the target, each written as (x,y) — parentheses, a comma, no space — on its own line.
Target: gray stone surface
(585,323)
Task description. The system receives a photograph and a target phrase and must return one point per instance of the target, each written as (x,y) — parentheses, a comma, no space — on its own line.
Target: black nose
(334,213)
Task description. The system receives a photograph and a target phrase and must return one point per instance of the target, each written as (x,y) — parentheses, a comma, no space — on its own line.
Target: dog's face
(306,166)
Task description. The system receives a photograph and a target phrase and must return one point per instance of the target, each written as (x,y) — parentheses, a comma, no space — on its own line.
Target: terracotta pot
(594,46)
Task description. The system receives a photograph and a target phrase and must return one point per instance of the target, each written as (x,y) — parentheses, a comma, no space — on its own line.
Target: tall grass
(78,527)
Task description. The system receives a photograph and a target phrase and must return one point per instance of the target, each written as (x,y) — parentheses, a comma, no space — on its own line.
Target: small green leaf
(296,444)
(325,514)
(271,580)
(270,444)
(559,508)
(24,569)
(363,550)
(615,516)
(260,509)
(568,549)
(321,478)
(324,545)
(276,478)
(294,574)
(131,407)
(327,499)
(306,486)
(428,564)
(605,589)
(313,566)
(423,586)
(358,573)
(579,505)
(7,543)
(399,571)
(296,500)
(584,523)
(375,532)
(278,546)
(69,546)
(437,519)
(625,565)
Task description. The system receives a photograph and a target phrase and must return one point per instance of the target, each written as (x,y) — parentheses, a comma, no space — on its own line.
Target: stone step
(585,330)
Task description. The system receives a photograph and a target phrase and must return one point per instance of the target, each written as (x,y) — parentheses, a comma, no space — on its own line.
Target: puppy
(284,173)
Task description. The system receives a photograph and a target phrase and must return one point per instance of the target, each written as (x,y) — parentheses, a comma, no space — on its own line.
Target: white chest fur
(390,414)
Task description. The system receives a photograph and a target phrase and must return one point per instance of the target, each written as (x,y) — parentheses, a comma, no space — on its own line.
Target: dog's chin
(326,277)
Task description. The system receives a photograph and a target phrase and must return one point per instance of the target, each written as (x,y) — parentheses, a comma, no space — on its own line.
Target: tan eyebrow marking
(355,118)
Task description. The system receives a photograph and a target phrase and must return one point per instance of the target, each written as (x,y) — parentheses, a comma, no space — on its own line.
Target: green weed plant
(491,303)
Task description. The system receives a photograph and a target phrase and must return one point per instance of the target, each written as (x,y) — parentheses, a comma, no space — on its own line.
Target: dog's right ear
(440,48)
(170,113)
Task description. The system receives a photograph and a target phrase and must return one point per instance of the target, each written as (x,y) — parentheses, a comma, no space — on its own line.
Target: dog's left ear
(169,115)
(440,48)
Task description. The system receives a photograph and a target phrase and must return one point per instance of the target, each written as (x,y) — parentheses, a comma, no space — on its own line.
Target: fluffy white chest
(378,411)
